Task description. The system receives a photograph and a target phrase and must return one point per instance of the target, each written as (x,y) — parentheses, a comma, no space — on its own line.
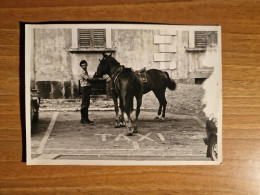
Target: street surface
(61,136)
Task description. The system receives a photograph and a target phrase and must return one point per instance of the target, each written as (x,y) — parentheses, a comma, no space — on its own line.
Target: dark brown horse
(158,81)
(126,85)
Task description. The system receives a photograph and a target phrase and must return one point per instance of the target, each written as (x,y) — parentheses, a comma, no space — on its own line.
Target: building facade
(187,55)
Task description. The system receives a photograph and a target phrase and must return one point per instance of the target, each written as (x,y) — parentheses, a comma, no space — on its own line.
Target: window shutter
(84,37)
(99,37)
(201,39)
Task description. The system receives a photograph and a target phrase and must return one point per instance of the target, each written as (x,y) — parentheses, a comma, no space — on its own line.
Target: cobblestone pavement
(185,100)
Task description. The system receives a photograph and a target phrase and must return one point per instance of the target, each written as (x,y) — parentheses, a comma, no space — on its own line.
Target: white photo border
(28,34)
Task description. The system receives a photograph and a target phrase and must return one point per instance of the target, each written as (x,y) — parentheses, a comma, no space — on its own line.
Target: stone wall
(56,68)
(135,48)
(52,64)
(52,59)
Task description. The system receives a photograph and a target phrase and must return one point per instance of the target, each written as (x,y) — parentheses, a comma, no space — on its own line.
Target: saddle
(142,74)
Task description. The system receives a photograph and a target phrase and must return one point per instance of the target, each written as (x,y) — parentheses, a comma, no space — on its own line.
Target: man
(85,86)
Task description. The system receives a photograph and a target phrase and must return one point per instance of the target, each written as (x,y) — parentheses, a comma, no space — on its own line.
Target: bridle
(115,76)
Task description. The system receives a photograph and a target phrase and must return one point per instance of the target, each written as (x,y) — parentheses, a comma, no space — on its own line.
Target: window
(201,39)
(212,39)
(92,38)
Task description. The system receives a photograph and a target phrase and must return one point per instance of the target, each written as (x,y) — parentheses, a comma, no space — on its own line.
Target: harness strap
(116,78)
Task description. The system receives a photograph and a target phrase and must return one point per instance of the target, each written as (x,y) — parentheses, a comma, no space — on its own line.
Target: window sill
(90,50)
(196,49)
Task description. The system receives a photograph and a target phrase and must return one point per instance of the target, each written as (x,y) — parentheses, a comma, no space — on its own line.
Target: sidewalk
(96,104)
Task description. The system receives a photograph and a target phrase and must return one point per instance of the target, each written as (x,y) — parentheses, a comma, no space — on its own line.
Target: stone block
(168,65)
(173,65)
(162,39)
(162,57)
(164,65)
(167,48)
(168,32)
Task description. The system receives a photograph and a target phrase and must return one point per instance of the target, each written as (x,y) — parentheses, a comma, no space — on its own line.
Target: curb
(78,109)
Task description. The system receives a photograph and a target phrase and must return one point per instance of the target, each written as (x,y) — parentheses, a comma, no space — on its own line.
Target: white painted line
(161,137)
(47,156)
(199,121)
(145,137)
(47,134)
(136,145)
(103,137)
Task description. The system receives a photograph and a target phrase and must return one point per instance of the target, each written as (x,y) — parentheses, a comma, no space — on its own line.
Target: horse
(127,85)
(158,81)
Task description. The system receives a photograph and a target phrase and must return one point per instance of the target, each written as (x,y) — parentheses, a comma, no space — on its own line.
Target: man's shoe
(89,121)
(83,121)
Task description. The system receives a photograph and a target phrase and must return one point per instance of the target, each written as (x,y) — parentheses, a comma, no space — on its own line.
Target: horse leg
(121,116)
(129,124)
(164,103)
(127,107)
(158,96)
(116,110)
(138,105)
(162,100)
(159,112)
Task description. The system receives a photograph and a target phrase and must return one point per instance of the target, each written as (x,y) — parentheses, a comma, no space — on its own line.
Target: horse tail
(128,103)
(170,83)
(127,97)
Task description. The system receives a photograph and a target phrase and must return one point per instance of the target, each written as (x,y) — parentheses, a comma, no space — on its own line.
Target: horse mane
(114,61)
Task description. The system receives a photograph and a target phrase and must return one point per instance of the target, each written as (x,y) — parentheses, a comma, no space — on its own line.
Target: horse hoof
(161,119)
(129,134)
(122,125)
(117,125)
(157,118)
(135,129)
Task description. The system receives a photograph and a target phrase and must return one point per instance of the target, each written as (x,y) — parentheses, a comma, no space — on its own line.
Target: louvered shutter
(98,37)
(201,39)
(84,38)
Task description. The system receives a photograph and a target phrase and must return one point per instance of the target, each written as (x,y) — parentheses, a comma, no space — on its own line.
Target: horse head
(105,65)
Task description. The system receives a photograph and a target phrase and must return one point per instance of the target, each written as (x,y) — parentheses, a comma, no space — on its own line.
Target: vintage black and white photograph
(123,94)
